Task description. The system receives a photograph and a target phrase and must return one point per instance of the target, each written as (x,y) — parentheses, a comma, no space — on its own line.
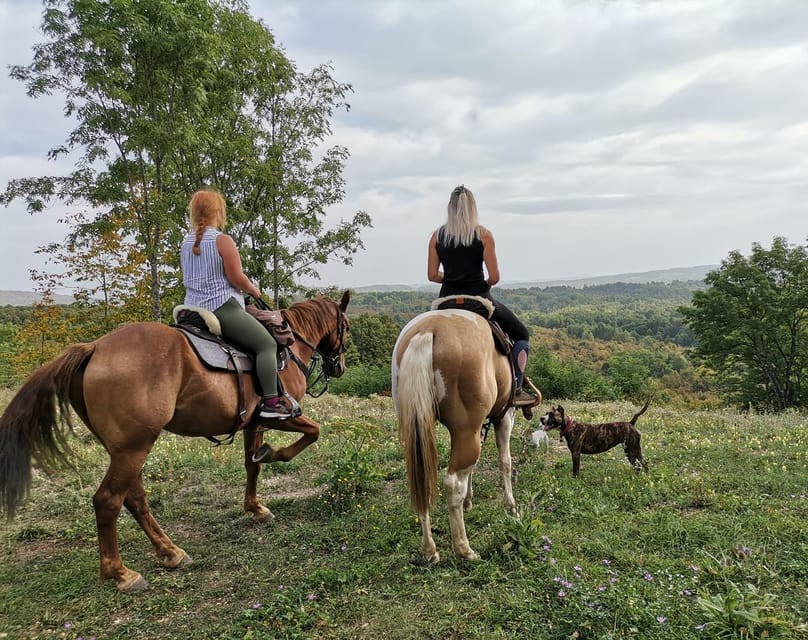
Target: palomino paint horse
(446,368)
(130,385)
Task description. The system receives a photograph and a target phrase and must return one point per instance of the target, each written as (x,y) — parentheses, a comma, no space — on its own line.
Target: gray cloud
(621,129)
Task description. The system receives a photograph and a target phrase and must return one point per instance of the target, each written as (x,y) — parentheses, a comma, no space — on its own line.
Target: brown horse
(446,368)
(130,385)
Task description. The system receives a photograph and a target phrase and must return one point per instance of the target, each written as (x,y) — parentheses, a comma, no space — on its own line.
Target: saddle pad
(212,353)
(475,304)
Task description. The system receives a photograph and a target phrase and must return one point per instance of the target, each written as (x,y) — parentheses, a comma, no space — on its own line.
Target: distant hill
(680,274)
(27,298)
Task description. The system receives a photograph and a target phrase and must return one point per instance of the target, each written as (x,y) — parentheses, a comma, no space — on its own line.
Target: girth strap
(241,417)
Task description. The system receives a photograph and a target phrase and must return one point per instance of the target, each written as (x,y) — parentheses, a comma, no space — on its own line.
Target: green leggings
(246,332)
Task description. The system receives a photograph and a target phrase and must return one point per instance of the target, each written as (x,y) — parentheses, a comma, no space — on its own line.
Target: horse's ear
(346,298)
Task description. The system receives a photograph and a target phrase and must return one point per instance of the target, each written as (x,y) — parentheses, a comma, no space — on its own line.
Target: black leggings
(517,332)
(510,324)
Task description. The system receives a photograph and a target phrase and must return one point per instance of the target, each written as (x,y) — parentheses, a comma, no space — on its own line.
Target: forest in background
(617,341)
(601,342)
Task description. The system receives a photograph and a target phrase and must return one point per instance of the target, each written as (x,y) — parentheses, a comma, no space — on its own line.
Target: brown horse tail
(641,411)
(416,407)
(35,425)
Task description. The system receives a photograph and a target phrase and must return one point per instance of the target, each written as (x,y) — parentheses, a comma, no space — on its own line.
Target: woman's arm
(232,266)
(490,257)
(433,272)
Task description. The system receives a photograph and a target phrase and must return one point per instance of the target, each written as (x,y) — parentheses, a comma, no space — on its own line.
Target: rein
(308,371)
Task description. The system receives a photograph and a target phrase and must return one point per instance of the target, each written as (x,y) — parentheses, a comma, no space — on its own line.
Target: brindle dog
(597,438)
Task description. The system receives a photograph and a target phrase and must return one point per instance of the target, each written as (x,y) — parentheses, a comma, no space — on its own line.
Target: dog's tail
(641,411)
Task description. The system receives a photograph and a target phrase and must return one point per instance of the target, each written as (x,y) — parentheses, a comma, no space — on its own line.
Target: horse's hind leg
(259,512)
(428,549)
(121,476)
(170,554)
(456,486)
(503,431)
(468,501)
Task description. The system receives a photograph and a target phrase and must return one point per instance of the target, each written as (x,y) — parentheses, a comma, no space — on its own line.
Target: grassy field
(711,543)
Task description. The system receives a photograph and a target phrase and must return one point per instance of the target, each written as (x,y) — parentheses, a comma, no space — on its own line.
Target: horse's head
(332,346)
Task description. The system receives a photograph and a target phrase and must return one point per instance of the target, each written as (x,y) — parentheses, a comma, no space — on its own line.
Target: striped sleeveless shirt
(206,284)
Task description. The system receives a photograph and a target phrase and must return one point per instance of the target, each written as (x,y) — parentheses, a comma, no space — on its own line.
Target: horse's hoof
(262,514)
(264,453)
(133,584)
(432,559)
(470,555)
(179,561)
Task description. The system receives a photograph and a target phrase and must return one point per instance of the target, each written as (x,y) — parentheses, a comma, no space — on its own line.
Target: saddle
(482,307)
(204,334)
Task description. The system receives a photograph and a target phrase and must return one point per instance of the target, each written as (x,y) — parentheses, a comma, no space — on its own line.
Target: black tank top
(462,267)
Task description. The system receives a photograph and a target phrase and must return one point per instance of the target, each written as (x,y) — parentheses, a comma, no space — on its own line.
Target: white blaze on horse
(446,367)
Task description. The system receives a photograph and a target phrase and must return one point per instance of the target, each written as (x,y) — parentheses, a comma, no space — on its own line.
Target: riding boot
(521,397)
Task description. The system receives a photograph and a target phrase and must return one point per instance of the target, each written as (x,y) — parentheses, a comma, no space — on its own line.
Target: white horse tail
(417,410)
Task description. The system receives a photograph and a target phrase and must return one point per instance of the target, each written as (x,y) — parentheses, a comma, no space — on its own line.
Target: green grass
(710,543)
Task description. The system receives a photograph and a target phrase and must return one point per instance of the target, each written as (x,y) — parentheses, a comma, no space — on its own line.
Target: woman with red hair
(214,280)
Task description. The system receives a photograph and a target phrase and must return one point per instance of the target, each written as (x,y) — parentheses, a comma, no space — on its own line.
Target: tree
(170,96)
(751,325)
(372,339)
(106,266)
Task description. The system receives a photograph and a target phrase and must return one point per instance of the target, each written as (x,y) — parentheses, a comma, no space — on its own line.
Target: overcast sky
(599,137)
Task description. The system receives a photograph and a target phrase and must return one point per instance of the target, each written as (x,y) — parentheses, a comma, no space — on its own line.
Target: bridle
(328,364)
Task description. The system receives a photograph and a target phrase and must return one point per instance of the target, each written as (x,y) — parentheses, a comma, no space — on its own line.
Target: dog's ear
(560,409)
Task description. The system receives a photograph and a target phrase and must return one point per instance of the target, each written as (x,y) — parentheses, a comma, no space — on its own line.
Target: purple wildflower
(661,619)
(648,577)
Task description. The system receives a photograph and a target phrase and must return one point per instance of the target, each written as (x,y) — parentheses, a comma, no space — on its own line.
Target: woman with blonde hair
(462,247)
(214,280)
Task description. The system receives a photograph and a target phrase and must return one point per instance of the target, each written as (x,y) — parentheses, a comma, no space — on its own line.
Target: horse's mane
(311,318)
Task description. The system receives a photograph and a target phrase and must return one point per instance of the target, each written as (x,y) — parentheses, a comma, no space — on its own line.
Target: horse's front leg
(252,441)
(301,424)
(503,431)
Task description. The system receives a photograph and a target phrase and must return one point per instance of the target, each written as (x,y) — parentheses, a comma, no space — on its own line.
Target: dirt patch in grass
(285,487)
